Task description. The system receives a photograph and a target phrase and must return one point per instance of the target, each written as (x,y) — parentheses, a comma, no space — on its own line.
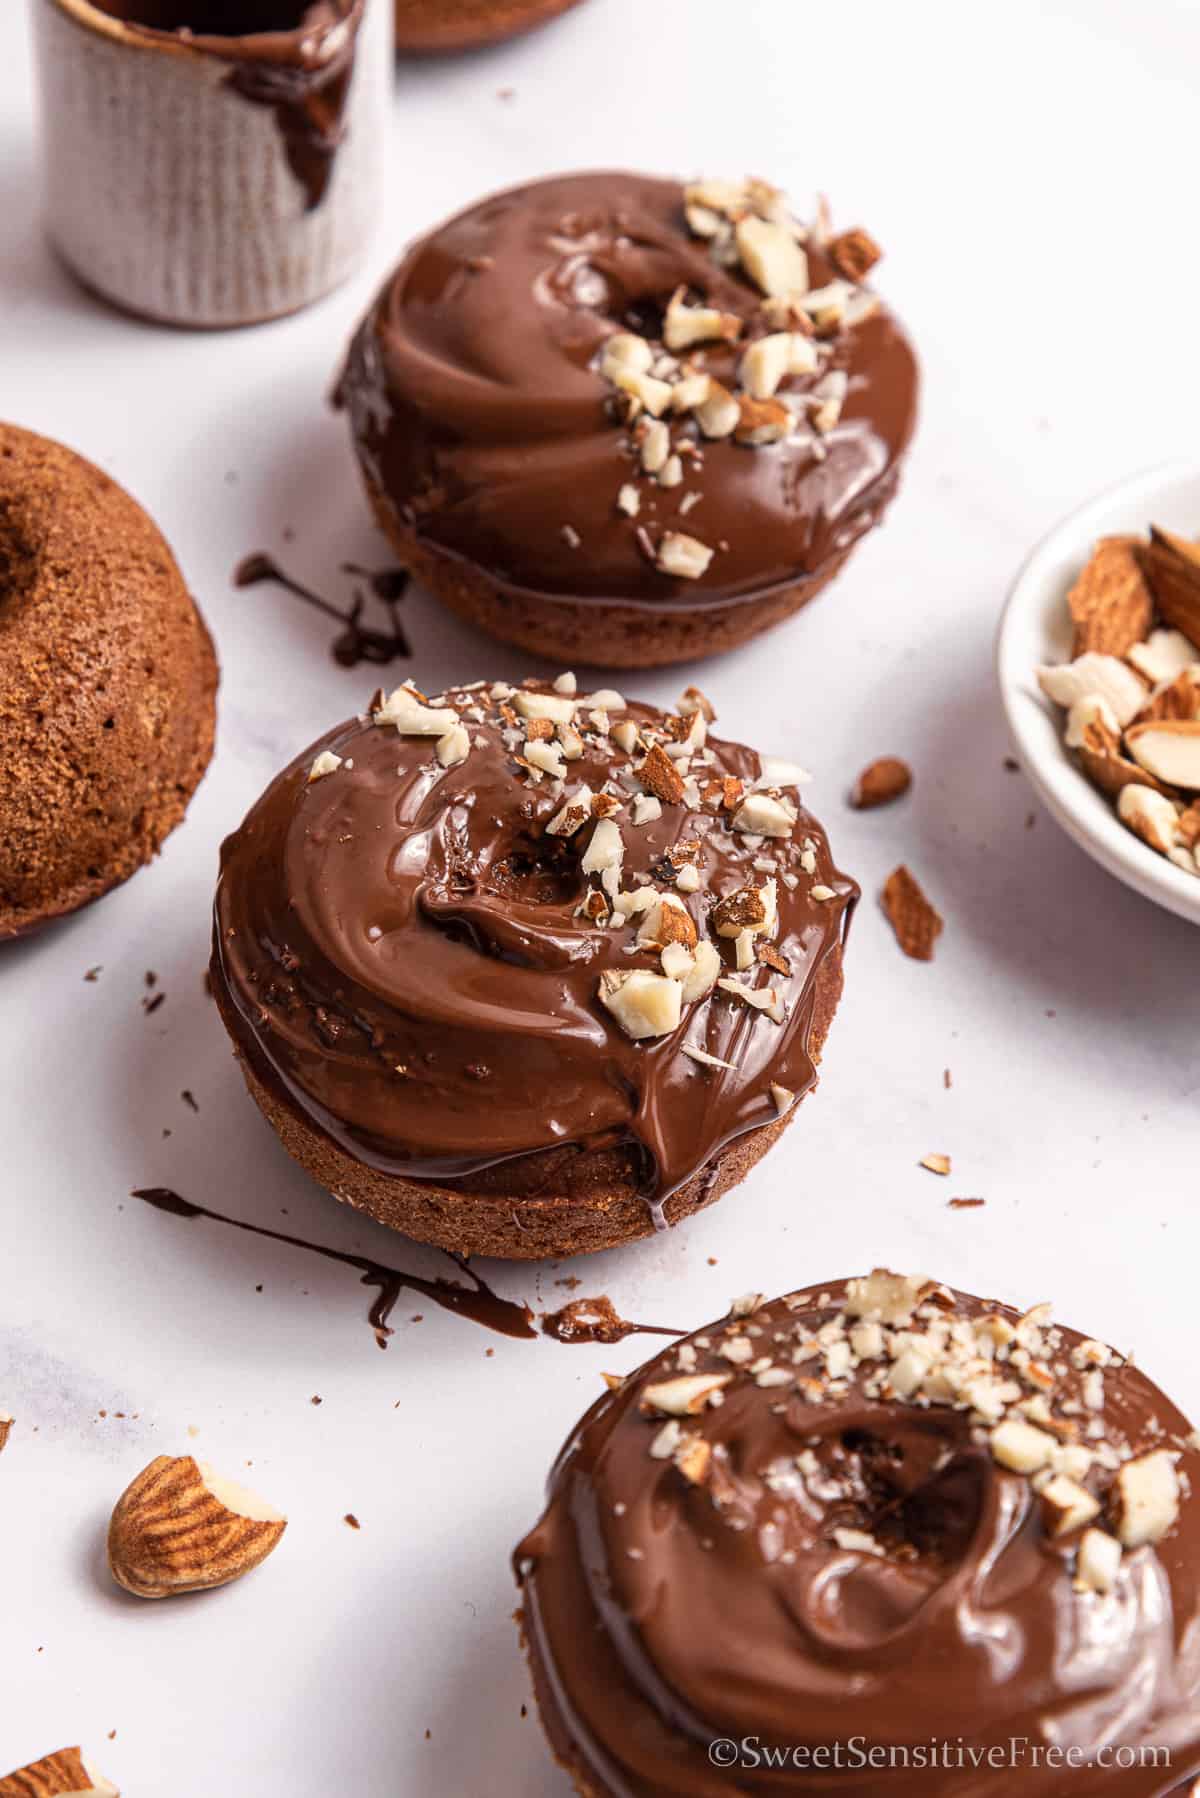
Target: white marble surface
(1028,168)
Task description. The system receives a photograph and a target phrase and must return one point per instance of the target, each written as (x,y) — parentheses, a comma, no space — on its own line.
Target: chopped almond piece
(1066,1505)
(762,421)
(683,556)
(1180,699)
(1187,828)
(1093,675)
(771,956)
(1164,655)
(881,782)
(1168,748)
(1172,567)
(1098,1562)
(854,253)
(685,1396)
(1106,767)
(916,924)
(1149,815)
(659,775)
(1110,603)
(937,1164)
(1146,1498)
(692,1458)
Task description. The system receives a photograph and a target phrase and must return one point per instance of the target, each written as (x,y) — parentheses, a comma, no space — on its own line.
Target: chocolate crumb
(352,1520)
(94,973)
(149,1005)
(189,1098)
(965,1204)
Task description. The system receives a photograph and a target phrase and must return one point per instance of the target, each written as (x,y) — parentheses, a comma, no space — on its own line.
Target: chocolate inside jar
(209,18)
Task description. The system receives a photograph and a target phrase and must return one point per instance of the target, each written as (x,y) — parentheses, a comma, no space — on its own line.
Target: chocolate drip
(296,58)
(596,1320)
(477,1301)
(357,643)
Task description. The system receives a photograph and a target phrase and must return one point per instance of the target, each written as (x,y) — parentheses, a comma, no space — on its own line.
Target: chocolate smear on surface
(356,642)
(596,1320)
(477,1301)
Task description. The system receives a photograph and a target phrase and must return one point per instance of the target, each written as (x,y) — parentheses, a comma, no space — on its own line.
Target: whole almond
(62,1775)
(881,782)
(181,1527)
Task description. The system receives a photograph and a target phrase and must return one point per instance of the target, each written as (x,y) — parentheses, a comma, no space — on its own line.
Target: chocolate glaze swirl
(476,409)
(662,1614)
(401,915)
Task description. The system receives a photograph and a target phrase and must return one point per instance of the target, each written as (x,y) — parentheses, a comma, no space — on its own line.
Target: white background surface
(1028,168)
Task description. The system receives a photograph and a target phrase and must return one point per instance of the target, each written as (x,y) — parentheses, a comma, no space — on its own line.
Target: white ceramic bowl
(1036,628)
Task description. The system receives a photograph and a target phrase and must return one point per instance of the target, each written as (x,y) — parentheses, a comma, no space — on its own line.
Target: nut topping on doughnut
(883,1511)
(594,899)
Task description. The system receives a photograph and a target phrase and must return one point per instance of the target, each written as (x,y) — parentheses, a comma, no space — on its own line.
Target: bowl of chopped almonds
(1098,658)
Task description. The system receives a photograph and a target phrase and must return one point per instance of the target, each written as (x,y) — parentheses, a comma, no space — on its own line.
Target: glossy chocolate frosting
(818,1561)
(477,408)
(295,57)
(403,951)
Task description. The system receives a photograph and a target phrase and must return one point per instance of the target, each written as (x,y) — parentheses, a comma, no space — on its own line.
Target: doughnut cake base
(555,1203)
(609,635)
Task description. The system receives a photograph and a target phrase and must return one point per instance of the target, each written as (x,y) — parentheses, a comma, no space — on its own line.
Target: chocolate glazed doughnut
(528,973)
(610,418)
(878,1516)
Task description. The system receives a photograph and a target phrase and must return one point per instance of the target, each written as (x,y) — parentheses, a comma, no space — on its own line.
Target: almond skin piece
(62,1775)
(854,253)
(881,782)
(912,917)
(1172,566)
(1101,760)
(1110,603)
(180,1527)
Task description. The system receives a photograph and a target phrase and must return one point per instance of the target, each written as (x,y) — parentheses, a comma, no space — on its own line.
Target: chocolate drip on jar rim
(296,58)
(477,1301)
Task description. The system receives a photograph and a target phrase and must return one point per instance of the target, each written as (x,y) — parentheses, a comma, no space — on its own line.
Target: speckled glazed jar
(201,178)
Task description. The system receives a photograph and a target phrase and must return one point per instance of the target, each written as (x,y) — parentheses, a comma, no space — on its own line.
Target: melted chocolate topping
(476,1301)
(478,411)
(401,946)
(294,57)
(814,1562)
